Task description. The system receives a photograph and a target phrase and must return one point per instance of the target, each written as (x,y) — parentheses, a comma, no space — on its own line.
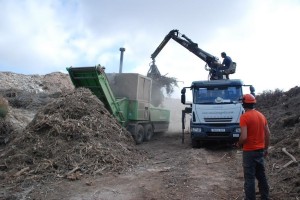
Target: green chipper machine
(127,96)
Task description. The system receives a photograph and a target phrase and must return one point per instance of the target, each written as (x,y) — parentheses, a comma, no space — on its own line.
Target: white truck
(215,110)
(216,104)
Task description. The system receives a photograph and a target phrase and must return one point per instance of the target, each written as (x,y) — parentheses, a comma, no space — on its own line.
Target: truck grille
(218,119)
(218,134)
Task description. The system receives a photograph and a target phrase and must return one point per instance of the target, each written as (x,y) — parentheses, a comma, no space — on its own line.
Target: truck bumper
(218,133)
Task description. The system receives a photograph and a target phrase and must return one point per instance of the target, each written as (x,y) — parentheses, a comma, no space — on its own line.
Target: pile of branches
(69,137)
(27,100)
(167,82)
(160,83)
(5,131)
(282,110)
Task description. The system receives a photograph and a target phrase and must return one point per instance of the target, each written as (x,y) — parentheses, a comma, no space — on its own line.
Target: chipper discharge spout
(95,79)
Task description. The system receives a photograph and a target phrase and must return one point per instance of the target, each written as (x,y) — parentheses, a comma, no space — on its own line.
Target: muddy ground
(52,148)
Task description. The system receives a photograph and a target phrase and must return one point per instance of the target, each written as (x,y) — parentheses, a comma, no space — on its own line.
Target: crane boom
(211,61)
(188,44)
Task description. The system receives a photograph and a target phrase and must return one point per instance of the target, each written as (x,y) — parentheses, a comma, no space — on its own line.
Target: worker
(225,64)
(254,140)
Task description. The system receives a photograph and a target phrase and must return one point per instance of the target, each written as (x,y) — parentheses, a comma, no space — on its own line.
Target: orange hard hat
(249,98)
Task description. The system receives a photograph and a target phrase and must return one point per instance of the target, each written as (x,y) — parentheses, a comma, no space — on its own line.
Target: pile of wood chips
(69,137)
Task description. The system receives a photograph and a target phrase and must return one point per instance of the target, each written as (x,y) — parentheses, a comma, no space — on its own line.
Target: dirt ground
(172,171)
(52,147)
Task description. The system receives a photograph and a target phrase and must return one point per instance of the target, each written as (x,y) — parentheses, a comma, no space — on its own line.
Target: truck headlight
(238,130)
(196,129)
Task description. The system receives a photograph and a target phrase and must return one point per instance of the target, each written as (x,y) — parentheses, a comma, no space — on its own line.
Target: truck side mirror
(183,98)
(252,90)
(183,95)
(183,91)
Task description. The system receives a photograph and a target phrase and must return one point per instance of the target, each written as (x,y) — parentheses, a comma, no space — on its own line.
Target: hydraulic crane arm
(183,40)
(212,62)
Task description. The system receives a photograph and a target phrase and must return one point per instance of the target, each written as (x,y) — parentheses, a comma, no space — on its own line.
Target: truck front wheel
(148,132)
(139,134)
(196,143)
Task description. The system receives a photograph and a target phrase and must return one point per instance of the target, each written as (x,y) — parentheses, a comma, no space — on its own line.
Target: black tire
(148,132)
(139,134)
(195,143)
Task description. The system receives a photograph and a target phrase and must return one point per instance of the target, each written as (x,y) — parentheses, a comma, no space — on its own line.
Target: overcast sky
(261,36)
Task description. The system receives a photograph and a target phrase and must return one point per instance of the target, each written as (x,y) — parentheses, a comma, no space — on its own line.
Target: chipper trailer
(128,98)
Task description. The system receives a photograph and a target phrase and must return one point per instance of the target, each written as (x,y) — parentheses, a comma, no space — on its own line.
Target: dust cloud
(176,107)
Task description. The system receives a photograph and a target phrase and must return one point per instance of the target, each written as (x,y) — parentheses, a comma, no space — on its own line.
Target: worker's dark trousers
(253,163)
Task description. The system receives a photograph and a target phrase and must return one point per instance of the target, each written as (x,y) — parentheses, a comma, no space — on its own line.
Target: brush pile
(282,110)
(69,137)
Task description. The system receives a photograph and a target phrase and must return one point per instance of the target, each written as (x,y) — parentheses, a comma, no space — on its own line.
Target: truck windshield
(217,94)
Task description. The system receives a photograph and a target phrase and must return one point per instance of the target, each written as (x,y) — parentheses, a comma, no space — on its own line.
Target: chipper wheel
(148,132)
(139,134)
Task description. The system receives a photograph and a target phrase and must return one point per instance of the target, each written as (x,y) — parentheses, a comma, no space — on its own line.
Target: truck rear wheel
(139,134)
(148,132)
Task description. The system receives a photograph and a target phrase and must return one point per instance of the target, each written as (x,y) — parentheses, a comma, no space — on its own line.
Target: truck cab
(215,110)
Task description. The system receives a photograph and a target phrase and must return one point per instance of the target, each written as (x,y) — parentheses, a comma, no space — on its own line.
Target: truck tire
(195,143)
(139,134)
(148,132)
